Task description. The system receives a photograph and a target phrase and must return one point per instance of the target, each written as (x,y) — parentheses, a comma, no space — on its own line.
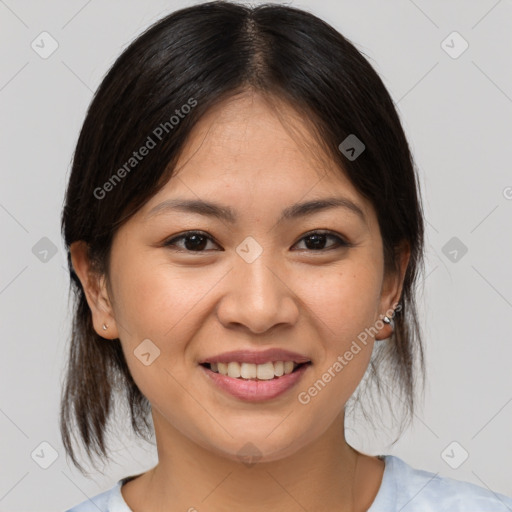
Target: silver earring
(105,327)
(389,321)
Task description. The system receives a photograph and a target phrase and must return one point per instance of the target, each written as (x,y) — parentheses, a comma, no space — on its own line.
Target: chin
(260,447)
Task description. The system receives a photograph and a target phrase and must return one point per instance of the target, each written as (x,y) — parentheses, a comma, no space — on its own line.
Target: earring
(389,321)
(105,327)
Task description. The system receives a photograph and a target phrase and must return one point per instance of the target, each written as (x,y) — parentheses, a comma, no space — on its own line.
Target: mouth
(255,375)
(252,382)
(271,370)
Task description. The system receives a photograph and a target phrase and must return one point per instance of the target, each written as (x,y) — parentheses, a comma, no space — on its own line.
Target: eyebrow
(227,214)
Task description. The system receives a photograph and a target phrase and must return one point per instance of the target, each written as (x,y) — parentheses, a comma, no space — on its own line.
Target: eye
(194,241)
(315,241)
(197,241)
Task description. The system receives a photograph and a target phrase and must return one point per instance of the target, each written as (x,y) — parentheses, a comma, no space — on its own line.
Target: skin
(258,160)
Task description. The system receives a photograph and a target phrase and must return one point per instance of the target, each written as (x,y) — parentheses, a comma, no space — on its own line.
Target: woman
(245,236)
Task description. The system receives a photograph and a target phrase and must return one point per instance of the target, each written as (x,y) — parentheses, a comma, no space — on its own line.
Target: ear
(96,293)
(392,285)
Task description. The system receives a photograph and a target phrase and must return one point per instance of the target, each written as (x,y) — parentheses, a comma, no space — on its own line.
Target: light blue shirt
(403,489)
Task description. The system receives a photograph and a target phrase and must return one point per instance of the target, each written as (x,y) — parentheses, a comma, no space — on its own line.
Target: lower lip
(256,390)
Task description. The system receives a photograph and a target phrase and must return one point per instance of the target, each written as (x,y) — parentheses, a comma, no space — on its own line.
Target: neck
(323,475)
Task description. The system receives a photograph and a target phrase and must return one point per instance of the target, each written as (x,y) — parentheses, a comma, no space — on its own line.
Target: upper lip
(257,357)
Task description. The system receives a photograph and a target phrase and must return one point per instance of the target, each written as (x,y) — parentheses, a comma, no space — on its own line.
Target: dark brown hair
(206,54)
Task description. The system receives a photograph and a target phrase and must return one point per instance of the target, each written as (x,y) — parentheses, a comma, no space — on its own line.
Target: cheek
(344,302)
(343,311)
(343,305)
(156,302)
(154,298)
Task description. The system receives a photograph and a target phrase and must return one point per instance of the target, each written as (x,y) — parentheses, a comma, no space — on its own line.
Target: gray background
(457,113)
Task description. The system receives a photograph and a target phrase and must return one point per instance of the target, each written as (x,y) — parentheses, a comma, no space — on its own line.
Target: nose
(258,297)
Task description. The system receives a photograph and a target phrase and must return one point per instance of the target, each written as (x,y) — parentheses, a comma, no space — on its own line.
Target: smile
(255,382)
(265,371)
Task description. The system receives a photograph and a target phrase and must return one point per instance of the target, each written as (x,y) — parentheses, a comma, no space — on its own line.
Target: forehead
(248,126)
(247,152)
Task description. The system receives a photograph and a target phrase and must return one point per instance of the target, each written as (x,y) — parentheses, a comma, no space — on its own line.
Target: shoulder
(408,489)
(108,501)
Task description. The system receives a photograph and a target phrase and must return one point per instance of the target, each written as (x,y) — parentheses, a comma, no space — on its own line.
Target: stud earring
(105,327)
(389,321)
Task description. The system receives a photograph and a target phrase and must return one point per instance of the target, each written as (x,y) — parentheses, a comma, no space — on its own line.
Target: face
(308,282)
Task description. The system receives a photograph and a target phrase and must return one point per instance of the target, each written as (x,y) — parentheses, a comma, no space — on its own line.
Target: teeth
(233,370)
(248,370)
(265,371)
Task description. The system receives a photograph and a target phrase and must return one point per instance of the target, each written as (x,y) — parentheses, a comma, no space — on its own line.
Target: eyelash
(340,241)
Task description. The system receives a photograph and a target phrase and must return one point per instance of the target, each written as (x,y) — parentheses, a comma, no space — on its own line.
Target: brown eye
(316,241)
(193,241)
(197,241)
